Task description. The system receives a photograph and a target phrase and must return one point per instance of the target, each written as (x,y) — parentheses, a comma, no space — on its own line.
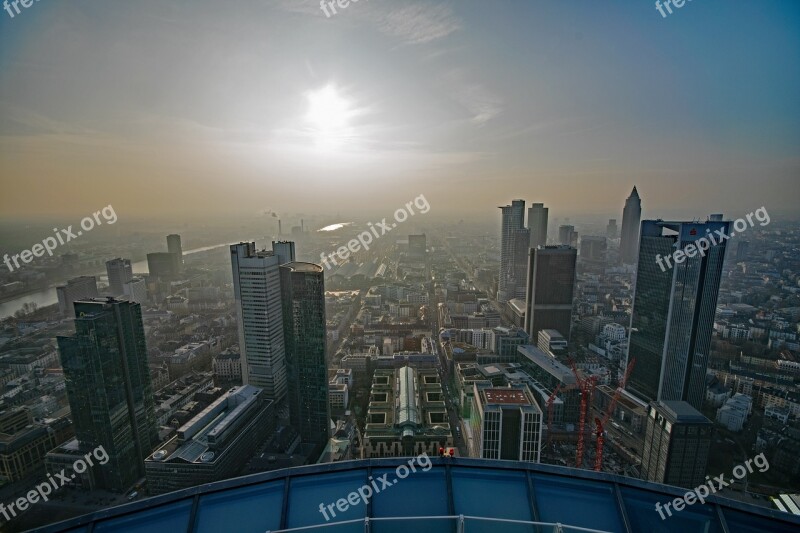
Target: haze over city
(447,265)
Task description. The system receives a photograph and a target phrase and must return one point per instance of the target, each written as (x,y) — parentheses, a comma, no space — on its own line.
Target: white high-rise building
(257,291)
(537,223)
(119,273)
(135,290)
(75,289)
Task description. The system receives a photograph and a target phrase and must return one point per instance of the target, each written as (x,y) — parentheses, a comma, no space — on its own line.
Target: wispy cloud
(412,22)
(481,103)
(418,22)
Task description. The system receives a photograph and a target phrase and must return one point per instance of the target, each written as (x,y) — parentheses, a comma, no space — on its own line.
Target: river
(47,297)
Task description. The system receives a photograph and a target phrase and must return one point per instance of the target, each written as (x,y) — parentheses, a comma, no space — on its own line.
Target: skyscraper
(257,291)
(417,246)
(537,223)
(593,248)
(520,241)
(550,289)
(176,249)
(513,220)
(109,388)
(677,441)
(567,235)
(119,273)
(303,296)
(162,265)
(611,229)
(75,289)
(631,216)
(673,311)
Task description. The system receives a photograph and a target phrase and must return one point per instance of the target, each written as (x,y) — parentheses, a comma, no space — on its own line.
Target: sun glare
(329,116)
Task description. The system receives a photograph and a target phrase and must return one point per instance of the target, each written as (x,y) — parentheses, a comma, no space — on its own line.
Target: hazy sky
(190,107)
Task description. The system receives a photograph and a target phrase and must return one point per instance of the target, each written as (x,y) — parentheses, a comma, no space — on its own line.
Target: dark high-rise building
(550,289)
(612,232)
(593,248)
(742,249)
(119,273)
(537,223)
(176,249)
(513,220)
(565,234)
(109,388)
(629,239)
(417,246)
(303,297)
(520,240)
(162,265)
(676,444)
(673,310)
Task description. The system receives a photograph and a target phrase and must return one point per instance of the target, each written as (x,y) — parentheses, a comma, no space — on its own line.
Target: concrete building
(552,342)
(227,368)
(407,414)
(175,248)
(537,224)
(25,442)
(257,291)
(162,266)
(506,423)
(676,444)
(734,412)
(550,289)
(512,226)
(215,444)
(76,289)
(119,273)
(135,290)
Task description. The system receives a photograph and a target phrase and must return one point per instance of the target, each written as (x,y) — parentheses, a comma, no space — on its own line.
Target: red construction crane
(600,424)
(550,401)
(586,386)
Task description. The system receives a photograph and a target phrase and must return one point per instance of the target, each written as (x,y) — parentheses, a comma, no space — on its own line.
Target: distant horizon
(196,110)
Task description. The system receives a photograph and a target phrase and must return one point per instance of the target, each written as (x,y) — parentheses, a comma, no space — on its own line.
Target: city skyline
(263,261)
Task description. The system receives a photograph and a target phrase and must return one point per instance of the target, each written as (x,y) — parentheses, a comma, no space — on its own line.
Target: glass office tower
(673,310)
(303,297)
(109,388)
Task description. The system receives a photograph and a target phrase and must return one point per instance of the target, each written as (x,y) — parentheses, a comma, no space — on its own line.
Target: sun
(328,116)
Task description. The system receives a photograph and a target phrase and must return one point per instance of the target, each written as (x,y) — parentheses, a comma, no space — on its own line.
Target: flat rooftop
(506,396)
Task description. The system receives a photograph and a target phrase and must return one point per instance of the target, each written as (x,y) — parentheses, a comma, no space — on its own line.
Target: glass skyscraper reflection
(303,297)
(109,388)
(673,311)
